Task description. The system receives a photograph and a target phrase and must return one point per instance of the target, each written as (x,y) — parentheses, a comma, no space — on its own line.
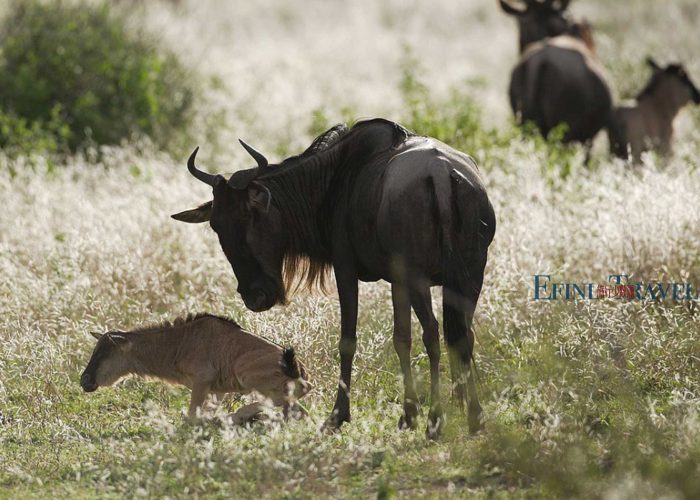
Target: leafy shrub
(79,65)
(455,120)
(21,137)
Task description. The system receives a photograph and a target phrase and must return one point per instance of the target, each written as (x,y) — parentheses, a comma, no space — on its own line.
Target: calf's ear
(652,63)
(97,335)
(200,214)
(121,341)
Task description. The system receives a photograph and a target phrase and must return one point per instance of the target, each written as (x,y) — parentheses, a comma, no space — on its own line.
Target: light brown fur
(207,354)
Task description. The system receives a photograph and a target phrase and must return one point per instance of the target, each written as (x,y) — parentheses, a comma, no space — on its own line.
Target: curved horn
(257,156)
(198,174)
(509,8)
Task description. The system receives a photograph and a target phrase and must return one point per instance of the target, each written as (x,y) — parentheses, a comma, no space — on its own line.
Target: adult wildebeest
(649,123)
(373,202)
(208,354)
(558,79)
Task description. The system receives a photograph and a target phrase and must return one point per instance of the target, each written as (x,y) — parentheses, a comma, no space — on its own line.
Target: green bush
(455,119)
(21,137)
(74,71)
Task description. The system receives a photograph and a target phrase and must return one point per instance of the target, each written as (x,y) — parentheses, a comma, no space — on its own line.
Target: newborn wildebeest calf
(208,354)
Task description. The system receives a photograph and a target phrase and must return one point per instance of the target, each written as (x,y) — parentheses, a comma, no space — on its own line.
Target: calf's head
(109,361)
(539,19)
(249,228)
(675,81)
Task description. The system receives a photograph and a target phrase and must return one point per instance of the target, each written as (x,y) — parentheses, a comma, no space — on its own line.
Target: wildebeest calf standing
(649,123)
(208,354)
(373,202)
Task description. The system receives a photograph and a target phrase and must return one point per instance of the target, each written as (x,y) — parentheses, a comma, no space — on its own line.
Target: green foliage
(320,121)
(456,121)
(18,136)
(72,74)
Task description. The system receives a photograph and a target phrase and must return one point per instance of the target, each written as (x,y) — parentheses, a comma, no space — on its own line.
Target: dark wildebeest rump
(649,123)
(558,79)
(373,202)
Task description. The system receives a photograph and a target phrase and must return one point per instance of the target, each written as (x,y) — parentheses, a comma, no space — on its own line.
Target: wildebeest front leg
(402,344)
(422,305)
(347,291)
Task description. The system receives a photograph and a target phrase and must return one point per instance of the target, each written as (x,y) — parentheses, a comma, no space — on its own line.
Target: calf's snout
(87,383)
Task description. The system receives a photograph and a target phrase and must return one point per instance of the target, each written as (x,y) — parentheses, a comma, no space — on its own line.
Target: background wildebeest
(558,79)
(373,202)
(649,123)
(206,353)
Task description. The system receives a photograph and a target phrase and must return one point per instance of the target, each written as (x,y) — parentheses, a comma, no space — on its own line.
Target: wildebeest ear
(97,335)
(259,197)
(653,64)
(120,340)
(200,214)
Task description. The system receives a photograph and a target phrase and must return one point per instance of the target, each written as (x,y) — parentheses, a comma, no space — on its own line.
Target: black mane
(304,188)
(338,133)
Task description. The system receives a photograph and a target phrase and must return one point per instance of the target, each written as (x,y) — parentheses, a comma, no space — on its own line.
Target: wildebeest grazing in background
(649,123)
(558,79)
(371,202)
(208,354)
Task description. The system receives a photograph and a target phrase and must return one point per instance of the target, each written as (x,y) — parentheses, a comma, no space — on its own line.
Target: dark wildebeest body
(558,79)
(557,82)
(649,123)
(372,202)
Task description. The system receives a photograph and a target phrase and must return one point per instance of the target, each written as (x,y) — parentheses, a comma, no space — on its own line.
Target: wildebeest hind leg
(402,343)
(473,292)
(460,296)
(422,305)
(199,394)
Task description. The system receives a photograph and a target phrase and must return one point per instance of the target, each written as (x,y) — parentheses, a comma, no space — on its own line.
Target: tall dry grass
(600,398)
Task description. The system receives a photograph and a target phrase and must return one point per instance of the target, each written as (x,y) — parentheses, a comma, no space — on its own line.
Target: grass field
(595,398)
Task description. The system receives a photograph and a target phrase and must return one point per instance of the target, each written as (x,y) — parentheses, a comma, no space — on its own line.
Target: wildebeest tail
(290,365)
(473,227)
(459,340)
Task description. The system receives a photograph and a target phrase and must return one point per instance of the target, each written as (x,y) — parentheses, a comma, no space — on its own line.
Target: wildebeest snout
(257,299)
(87,382)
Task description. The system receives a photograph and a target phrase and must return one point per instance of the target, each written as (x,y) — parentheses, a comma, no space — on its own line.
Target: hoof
(436,424)
(333,423)
(475,420)
(409,419)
